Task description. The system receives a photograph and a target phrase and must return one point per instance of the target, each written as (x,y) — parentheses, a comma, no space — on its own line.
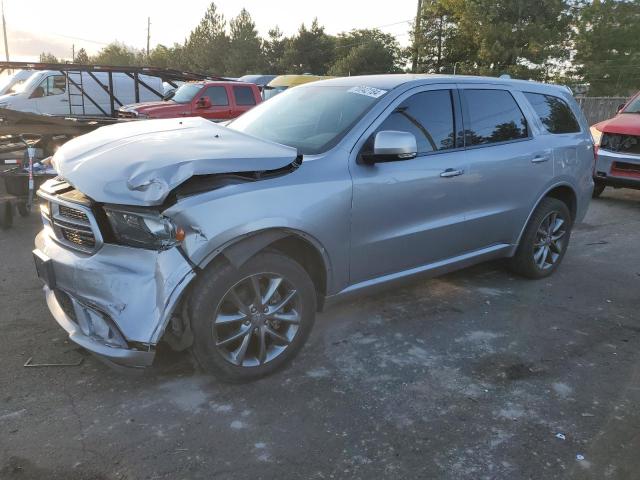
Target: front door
(409,213)
(51,96)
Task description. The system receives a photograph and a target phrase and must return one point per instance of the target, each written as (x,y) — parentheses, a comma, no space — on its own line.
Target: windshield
(311,119)
(186,92)
(17,87)
(634,106)
(272,92)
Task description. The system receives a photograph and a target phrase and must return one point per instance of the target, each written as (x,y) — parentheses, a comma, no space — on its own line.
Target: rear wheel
(545,240)
(598,188)
(251,321)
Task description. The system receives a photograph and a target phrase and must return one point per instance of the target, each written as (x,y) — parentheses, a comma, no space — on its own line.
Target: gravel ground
(477,374)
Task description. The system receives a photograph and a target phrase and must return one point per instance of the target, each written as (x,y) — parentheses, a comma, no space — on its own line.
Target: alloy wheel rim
(549,242)
(257,319)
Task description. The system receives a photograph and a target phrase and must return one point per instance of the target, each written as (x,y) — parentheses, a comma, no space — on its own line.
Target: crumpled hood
(139,163)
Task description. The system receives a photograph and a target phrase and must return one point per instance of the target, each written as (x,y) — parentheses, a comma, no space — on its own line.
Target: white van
(14,83)
(50,92)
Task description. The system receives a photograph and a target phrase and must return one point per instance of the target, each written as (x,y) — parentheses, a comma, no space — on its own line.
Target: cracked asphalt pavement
(474,375)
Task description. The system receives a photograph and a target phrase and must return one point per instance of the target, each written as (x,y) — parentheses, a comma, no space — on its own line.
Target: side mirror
(37,92)
(620,107)
(391,145)
(203,102)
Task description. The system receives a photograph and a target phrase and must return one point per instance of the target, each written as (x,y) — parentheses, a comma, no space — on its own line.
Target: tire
(598,188)
(224,305)
(23,209)
(531,259)
(6,215)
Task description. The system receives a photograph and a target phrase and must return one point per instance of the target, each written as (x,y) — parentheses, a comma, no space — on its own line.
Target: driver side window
(52,85)
(429,117)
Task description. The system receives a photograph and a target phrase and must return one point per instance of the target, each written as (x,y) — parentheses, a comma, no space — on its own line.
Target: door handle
(451,172)
(540,158)
(64,100)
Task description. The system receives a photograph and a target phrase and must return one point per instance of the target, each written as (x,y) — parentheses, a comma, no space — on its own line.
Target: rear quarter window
(493,116)
(554,113)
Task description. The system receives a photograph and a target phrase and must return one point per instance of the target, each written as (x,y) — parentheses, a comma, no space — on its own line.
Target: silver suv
(228,239)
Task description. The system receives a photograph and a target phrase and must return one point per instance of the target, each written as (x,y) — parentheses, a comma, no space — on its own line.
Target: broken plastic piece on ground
(561,436)
(29,364)
(579,457)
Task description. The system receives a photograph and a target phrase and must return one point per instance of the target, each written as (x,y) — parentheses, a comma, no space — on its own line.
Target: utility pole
(73,53)
(416,36)
(4,32)
(148,34)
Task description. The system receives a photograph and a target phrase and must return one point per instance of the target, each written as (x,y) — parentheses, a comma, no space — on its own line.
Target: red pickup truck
(213,100)
(617,142)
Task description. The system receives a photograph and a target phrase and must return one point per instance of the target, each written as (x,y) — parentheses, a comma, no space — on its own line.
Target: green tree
(161,57)
(274,47)
(365,52)
(525,38)
(521,37)
(48,57)
(434,36)
(207,46)
(607,41)
(245,48)
(81,56)
(117,54)
(310,51)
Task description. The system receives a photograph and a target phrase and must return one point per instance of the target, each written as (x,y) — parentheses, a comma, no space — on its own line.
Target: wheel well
(566,195)
(308,257)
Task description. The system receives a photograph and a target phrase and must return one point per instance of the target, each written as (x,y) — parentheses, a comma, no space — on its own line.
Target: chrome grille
(73,213)
(72,225)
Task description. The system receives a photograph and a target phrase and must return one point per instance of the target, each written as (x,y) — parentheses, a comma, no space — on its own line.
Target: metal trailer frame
(73,74)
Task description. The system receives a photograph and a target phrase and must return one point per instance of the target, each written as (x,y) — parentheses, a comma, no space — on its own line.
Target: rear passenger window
(554,113)
(493,116)
(244,96)
(429,116)
(217,95)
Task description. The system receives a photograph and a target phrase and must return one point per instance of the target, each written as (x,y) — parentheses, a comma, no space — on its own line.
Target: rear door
(244,99)
(220,103)
(509,164)
(409,213)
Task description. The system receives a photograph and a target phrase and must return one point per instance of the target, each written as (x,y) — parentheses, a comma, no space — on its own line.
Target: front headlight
(596,135)
(143,229)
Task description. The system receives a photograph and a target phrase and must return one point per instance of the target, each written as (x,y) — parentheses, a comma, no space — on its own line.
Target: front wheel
(545,240)
(251,321)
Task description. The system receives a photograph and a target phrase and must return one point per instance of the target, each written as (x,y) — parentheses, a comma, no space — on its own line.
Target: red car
(213,100)
(617,142)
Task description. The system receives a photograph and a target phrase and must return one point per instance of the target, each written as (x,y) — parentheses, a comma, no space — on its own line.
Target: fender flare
(240,249)
(543,195)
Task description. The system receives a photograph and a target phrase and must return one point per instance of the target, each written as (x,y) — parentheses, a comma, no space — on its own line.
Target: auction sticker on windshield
(368,91)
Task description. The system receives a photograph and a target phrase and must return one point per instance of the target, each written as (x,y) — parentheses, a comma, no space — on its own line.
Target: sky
(34,26)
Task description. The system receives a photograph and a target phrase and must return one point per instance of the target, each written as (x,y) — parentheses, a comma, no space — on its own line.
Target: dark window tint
(554,113)
(244,96)
(429,116)
(493,116)
(217,95)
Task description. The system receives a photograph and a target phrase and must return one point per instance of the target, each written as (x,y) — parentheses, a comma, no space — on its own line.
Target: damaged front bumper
(115,303)
(618,169)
